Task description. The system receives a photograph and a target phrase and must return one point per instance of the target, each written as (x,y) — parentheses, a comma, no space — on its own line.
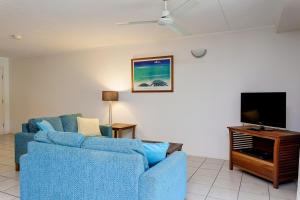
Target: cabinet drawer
(262,168)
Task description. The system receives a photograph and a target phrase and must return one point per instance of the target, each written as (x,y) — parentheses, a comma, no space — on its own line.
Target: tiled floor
(211,179)
(9,178)
(208,179)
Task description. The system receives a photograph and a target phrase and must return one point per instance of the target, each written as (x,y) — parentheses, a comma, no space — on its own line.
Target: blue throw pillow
(45,126)
(155,152)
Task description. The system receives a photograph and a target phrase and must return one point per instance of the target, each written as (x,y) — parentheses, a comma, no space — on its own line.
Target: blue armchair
(64,123)
(106,172)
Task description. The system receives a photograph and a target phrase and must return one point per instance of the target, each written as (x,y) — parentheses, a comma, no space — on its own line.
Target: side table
(119,127)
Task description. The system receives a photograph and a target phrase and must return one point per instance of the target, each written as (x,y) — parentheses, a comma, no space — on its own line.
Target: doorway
(1,100)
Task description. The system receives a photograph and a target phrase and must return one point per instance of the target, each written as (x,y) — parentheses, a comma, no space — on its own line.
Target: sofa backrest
(123,145)
(52,171)
(54,121)
(120,145)
(69,122)
(66,123)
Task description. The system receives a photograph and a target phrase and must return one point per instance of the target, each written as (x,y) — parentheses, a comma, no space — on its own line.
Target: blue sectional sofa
(63,123)
(67,167)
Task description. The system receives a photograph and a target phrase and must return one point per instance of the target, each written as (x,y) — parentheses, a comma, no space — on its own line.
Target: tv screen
(266,109)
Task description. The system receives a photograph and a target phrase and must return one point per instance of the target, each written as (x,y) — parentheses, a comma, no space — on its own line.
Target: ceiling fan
(166,19)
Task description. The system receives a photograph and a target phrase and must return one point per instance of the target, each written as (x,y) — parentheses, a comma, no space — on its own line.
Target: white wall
(4,62)
(207,91)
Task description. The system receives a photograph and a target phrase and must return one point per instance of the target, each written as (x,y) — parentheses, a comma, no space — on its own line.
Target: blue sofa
(63,123)
(99,169)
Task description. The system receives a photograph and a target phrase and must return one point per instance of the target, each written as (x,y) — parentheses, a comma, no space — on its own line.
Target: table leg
(230,149)
(133,132)
(115,134)
(119,133)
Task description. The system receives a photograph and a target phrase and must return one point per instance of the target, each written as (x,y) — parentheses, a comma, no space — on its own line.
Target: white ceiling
(52,26)
(290,17)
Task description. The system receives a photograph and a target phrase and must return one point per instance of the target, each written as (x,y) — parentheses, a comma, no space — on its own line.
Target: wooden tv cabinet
(282,145)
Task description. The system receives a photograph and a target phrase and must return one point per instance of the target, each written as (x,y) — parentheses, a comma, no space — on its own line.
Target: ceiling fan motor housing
(166,18)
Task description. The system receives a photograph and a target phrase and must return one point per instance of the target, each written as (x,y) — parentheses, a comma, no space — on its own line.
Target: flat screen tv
(264,109)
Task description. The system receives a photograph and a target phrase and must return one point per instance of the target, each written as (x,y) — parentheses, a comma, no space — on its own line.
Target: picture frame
(152,74)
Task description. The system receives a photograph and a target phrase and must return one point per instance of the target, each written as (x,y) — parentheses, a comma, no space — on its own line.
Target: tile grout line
(240,185)
(214,180)
(197,169)
(9,194)
(269,192)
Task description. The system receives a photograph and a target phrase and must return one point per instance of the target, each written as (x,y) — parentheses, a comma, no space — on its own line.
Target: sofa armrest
(25,127)
(21,141)
(166,180)
(106,130)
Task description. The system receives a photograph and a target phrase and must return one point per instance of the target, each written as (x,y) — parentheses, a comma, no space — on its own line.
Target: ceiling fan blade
(177,29)
(138,22)
(186,4)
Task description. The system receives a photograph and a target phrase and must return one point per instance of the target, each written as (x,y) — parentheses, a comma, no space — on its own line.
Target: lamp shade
(110,96)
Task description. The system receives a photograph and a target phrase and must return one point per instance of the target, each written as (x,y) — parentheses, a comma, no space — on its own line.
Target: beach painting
(153,74)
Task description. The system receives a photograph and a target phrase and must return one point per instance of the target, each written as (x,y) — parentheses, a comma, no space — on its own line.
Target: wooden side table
(119,127)
(172,148)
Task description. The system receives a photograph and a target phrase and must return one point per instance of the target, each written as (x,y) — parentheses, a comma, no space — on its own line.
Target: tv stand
(272,155)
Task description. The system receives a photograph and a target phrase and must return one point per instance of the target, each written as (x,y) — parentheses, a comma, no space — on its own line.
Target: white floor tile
(224,194)
(261,189)
(282,193)
(206,172)
(248,178)
(4,185)
(191,169)
(196,158)
(205,180)
(6,197)
(191,163)
(198,189)
(251,196)
(10,174)
(191,196)
(227,184)
(212,198)
(3,178)
(13,191)
(231,176)
(214,161)
(211,166)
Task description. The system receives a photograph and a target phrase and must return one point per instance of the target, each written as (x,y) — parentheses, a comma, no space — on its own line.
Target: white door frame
(2,102)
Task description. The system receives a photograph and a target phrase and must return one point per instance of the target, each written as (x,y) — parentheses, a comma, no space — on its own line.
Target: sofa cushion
(60,138)
(45,126)
(155,152)
(41,136)
(66,138)
(123,145)
(54,121)
(88,126)
(69,122)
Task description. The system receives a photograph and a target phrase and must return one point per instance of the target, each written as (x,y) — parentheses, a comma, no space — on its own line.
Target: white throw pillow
(88,126)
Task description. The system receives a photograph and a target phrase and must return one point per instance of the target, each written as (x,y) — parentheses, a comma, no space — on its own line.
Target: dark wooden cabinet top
(270,134)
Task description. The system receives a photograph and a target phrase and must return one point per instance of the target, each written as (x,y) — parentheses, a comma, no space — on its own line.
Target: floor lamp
(110,96)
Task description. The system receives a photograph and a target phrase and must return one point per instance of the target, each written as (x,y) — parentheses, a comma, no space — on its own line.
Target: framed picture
(153,74)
